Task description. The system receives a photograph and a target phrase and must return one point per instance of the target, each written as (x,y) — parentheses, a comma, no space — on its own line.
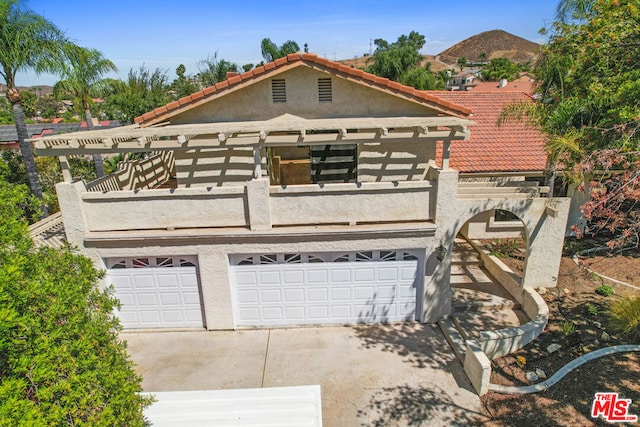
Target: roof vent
(325,93)
(503,83)
(278,90)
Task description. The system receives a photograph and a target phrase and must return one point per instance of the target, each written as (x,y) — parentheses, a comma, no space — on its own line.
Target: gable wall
(350,99)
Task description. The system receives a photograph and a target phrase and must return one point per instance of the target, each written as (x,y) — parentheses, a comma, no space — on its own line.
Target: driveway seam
(266,354)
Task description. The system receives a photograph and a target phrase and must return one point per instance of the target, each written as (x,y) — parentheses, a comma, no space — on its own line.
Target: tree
(141,92)
(462,62)
(27,42)
(80,77)
(500,68)
(422,78)
(574,9)
(271,51)
(393,60)
(183,85)
(61,361)
(28,103)
(47,106)
(589,111)
(211,70)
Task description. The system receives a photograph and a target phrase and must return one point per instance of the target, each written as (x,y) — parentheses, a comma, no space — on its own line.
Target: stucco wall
(351,203)
(215,167)
(350,99)
(394,161)
(165,208)
(544,222)
(484,226)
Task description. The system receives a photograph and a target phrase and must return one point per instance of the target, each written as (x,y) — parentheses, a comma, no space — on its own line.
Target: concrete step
(466,298)
(469,274)
(453,337)
(471,323)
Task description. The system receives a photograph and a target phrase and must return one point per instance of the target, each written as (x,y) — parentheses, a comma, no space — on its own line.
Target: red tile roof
(515,86)
(165,112)
(512,147)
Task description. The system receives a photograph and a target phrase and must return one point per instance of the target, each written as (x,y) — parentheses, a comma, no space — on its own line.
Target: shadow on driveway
(401,374)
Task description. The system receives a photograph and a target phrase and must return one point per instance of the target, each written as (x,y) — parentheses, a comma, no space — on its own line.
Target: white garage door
(156,292)
(303,289)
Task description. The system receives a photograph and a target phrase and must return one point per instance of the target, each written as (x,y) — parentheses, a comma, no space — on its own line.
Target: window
(325,93)
(278,90)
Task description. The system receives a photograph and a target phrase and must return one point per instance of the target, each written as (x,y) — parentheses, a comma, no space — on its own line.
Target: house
(302,192)
(462,81)
(9,135)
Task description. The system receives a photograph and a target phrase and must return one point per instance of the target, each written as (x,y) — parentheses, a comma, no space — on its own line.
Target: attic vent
(278,90)
(325,93)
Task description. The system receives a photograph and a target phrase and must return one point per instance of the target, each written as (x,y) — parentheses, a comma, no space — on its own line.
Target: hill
(494,44)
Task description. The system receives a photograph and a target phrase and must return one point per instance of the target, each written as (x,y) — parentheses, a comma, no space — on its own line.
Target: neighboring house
(461,81)
(302,192)
(9,136)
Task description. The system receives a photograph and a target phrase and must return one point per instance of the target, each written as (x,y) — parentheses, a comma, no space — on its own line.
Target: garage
(156,292)
(325,288)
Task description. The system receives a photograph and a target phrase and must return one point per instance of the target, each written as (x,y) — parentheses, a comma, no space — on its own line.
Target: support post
(257,160)
(446,149)
(66,171)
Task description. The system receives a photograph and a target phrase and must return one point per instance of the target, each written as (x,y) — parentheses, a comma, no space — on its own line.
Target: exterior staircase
(479,302)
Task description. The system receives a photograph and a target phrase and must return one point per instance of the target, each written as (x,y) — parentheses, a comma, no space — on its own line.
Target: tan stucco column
(437,287)
(259,204)
(70,201)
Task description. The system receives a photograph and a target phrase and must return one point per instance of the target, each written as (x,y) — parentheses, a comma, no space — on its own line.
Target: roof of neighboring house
(512,147)
(516,86)
(165,112)
(9,136)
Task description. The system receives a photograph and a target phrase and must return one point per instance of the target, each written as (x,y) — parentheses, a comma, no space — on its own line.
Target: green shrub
(604,290)
(625,316)
(504,248)
(568,328)
(61,361)
(591,309)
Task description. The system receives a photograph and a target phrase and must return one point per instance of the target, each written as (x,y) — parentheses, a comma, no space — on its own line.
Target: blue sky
(165,34)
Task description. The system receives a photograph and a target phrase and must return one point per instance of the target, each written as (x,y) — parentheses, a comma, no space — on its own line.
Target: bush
(625,317)
(604,290)
(61,361)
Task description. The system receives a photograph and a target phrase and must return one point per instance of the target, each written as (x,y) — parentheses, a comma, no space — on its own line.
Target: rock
(566,291)
(597,325)
(542,291)
(596,342)
(531,376)
(541,374)
(553,347)
(605,337)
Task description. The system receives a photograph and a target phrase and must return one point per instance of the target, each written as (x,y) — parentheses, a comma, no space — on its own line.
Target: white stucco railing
(165,208)
(351,203)
(257,205)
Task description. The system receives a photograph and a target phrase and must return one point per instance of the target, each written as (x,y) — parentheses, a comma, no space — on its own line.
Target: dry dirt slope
(495,44)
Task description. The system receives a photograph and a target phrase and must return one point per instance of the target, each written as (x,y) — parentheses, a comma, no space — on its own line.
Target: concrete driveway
(384,375)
